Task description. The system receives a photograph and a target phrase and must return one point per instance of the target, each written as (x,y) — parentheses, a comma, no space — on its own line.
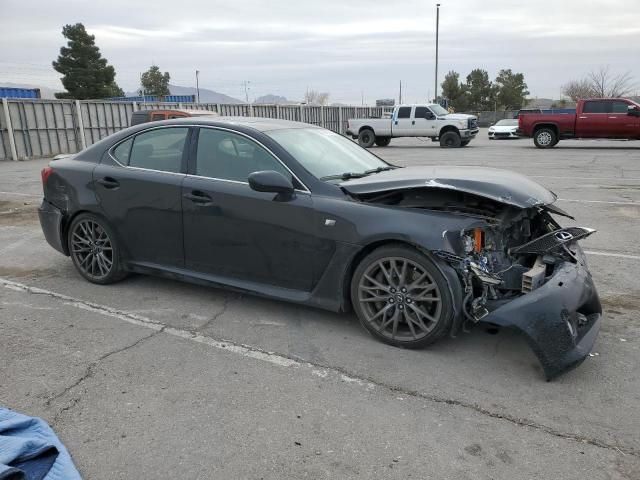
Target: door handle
(613,117)
(396,122)
(583,117)
(413,122)
(196,196)
(109,182)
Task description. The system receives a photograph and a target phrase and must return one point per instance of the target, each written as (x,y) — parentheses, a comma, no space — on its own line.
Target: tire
(383,141)
(450,140)
(366,138)
(545,138)
(93,250)
(381,304)
(465,143)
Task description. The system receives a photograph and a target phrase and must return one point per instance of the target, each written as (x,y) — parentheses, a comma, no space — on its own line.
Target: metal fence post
(340,120)
(12,140)
(277,111)
(301,112)
(83,142)
(251,110)
(180,105)
(322,116)
(135,106)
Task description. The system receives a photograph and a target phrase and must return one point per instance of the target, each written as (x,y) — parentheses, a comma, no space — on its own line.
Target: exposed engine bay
(512,252)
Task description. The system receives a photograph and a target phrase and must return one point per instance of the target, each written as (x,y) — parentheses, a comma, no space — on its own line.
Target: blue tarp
(30,450)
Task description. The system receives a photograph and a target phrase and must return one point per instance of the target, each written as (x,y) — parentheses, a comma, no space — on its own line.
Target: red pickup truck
(594,118)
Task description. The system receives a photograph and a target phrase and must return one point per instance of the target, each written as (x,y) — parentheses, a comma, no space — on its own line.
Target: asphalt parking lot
(151,378)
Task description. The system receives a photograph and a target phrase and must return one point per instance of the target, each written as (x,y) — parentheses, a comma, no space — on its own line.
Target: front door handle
(196,196)
(109,182)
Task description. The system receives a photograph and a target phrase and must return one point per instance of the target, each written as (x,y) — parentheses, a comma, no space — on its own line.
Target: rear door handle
(196,196)
(109,182)
(413,122)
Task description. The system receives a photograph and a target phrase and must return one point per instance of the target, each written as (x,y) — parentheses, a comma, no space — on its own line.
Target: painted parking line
(20,194)
(575,200)
(610,254)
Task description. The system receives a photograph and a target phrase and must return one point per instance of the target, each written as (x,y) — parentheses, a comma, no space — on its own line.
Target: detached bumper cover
(51,219)
(560,319)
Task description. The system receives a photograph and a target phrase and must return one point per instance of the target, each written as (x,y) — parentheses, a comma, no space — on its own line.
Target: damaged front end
(522,270)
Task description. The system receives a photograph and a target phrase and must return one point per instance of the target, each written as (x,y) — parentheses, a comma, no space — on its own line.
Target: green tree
(154,82)
(480,90)
(85,74)
(454,91)
(511,90)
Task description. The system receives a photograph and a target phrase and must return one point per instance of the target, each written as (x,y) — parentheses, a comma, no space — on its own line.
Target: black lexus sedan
(295,212)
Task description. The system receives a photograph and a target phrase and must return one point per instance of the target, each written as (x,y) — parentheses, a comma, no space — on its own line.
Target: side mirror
(633,111)
(430,116)
(270,181)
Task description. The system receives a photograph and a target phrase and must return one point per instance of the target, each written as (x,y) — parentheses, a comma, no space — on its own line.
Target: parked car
(504,129)
(433,121)
(295,212)
(594,118)
(143,116)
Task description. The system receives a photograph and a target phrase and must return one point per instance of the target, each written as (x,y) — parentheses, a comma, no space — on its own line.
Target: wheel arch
(550,125)
(448,128)
(366,127)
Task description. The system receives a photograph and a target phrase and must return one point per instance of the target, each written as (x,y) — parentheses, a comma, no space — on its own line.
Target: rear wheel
(366,138)
(401,297)
(450,140)
(545,138)
(93,250)
(383,141)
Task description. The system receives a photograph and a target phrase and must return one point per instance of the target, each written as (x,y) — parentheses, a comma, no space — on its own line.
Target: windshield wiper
(344,176)
(380,169)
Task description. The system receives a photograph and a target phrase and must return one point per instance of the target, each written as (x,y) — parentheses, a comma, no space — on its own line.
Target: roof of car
(257,123)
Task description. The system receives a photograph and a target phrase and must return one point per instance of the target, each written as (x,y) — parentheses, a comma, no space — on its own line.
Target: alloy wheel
(544,138)
(92,249)
(400,299)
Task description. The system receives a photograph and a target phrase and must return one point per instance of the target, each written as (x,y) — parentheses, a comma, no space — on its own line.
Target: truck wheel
(450,140)
(383,141)
(465,143)
(366,138)
(545,138)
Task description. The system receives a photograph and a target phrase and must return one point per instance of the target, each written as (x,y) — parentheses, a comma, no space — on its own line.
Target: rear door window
(596,107)
(404,112)
(160,149)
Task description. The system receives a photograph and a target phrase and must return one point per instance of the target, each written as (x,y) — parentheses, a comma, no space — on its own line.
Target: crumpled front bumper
(560,320)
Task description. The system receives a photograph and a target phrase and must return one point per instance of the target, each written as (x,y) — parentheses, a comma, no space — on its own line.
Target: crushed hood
(500,185)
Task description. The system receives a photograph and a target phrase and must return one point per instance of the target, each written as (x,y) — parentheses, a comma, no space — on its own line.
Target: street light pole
(435,98)
(198,85)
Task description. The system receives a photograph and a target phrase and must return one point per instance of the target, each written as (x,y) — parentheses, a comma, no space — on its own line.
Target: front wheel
(93,250)
(366,138)
(465,143)
(383,141)
(545,138)
(450,140)
(401,297)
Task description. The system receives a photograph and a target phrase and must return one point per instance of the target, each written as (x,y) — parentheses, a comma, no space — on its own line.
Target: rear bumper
(560,320)
(51,221)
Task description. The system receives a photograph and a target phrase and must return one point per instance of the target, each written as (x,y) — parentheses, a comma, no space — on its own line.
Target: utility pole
(198,85)
(246,90)
(435,97)
(400,98)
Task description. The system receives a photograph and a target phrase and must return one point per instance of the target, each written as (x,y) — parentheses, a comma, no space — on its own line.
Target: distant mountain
(206,95)
(273,100)
(44,91)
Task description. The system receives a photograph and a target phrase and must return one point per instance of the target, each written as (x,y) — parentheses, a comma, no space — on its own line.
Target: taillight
(45,173)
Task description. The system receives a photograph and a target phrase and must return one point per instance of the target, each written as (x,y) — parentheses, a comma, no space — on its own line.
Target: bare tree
(604,84)
(313,97)
(578,89)
(599,83)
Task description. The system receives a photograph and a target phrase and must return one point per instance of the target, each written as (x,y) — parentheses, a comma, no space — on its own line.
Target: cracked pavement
(170,379)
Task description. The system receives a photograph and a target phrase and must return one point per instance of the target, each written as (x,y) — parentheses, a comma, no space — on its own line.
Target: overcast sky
(348,48)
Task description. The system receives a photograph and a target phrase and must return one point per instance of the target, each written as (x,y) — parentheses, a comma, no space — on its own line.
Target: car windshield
(507,123)
(438,110)
(325,154)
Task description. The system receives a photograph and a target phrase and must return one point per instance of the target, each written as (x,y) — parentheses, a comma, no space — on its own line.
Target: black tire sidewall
(447,135)
(446,320)
(363,134)
(383,141)
(116,273)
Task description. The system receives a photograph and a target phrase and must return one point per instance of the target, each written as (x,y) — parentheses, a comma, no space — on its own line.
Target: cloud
(345,48)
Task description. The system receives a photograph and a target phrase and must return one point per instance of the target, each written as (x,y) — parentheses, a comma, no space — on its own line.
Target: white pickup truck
(450,129)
